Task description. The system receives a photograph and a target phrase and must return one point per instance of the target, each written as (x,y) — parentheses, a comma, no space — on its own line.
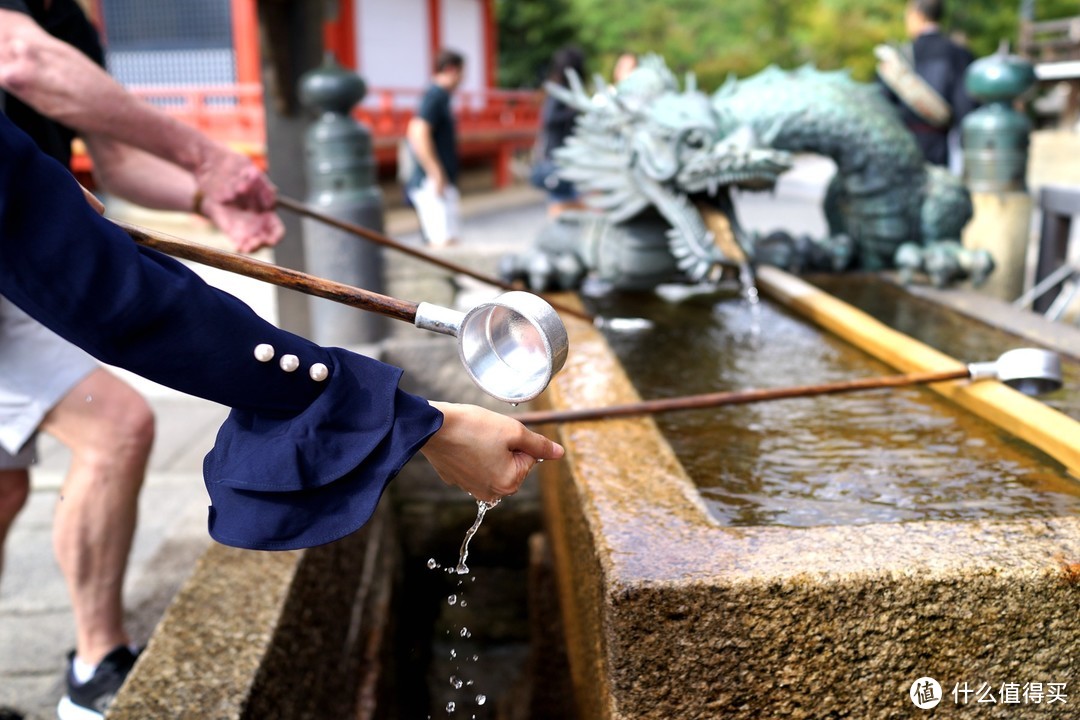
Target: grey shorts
(37,369)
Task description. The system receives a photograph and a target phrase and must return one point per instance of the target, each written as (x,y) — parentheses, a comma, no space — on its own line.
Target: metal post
(341,183)
(996,141)
(996,136)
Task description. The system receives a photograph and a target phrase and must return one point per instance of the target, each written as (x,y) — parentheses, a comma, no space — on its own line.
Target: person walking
(933,101)
(432,139)
(556,125)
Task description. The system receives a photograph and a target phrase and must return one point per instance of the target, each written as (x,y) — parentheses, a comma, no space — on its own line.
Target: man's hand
(484,453)
(229,178)
(248,230)
(240,200)
(438,181)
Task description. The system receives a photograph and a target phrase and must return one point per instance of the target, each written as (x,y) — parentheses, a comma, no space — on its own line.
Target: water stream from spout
(749,291)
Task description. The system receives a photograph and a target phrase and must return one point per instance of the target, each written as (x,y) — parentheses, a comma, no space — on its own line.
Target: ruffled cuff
(281,483)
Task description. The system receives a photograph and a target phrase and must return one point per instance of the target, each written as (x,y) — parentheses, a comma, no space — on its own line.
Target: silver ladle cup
(1032,371)
(511,346)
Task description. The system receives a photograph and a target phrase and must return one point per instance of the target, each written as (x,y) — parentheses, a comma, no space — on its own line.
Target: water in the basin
(881,456)
(952,333)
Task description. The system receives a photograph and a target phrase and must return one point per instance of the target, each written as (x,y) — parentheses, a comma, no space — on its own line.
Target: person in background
(556,124)
(432,138)
(941,64)
(625,64)
(54,88)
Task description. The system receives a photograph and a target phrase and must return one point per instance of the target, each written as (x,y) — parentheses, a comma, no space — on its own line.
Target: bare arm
(152,182)
(60,82)
(418,134)
(139,177)
(485,453)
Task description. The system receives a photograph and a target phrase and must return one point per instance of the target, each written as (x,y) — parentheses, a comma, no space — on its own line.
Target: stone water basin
(685,597)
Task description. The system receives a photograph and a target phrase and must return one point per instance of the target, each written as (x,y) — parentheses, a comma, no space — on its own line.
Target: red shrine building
(199,60)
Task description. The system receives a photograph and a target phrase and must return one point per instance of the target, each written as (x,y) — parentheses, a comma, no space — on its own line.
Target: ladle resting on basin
(1029,370)
(511,346)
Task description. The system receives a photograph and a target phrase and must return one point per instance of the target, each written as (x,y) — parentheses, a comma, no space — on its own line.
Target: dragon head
(646,142)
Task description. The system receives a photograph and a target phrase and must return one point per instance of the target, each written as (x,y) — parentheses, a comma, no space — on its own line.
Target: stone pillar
(341,183)
(995,167)
(1001,226)
(290,41)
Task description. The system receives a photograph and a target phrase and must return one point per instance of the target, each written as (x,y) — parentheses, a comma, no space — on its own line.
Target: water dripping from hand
(481,509)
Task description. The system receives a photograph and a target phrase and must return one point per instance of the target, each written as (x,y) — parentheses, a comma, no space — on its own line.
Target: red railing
(491,125)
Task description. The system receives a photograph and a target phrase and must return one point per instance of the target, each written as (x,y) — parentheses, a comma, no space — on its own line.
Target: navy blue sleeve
(298,462)
(16,5)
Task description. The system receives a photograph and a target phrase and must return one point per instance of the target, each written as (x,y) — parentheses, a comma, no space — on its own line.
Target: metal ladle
(1032,371)
(1029,370)
(511,346)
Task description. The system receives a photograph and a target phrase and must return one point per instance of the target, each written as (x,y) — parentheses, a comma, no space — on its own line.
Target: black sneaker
(7,713)
(88,700)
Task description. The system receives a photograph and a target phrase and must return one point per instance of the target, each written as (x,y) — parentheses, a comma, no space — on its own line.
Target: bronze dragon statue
(655,163)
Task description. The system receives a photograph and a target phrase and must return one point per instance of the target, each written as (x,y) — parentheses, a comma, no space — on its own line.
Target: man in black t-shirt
(432,137)
(54,88)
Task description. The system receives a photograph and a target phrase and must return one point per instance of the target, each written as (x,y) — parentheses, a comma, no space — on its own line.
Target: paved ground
(35,614)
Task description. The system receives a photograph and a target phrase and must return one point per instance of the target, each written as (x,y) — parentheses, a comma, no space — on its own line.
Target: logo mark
(925,693)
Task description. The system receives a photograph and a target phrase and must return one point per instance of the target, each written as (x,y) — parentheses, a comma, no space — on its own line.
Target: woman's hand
(484,453)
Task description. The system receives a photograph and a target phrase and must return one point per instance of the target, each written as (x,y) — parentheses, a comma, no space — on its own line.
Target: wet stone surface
(669,613)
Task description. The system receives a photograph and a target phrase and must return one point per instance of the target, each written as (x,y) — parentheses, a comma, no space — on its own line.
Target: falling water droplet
(453,653)
(432,564)
(452,600)
(513,404)
(464,604)
(481,699)
(474,658)
(465,632)
(450,707)
(455,682)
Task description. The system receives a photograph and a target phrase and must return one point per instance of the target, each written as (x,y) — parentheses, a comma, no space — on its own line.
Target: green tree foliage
(843,33)
(715,38)
(986,23)
(529,33)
